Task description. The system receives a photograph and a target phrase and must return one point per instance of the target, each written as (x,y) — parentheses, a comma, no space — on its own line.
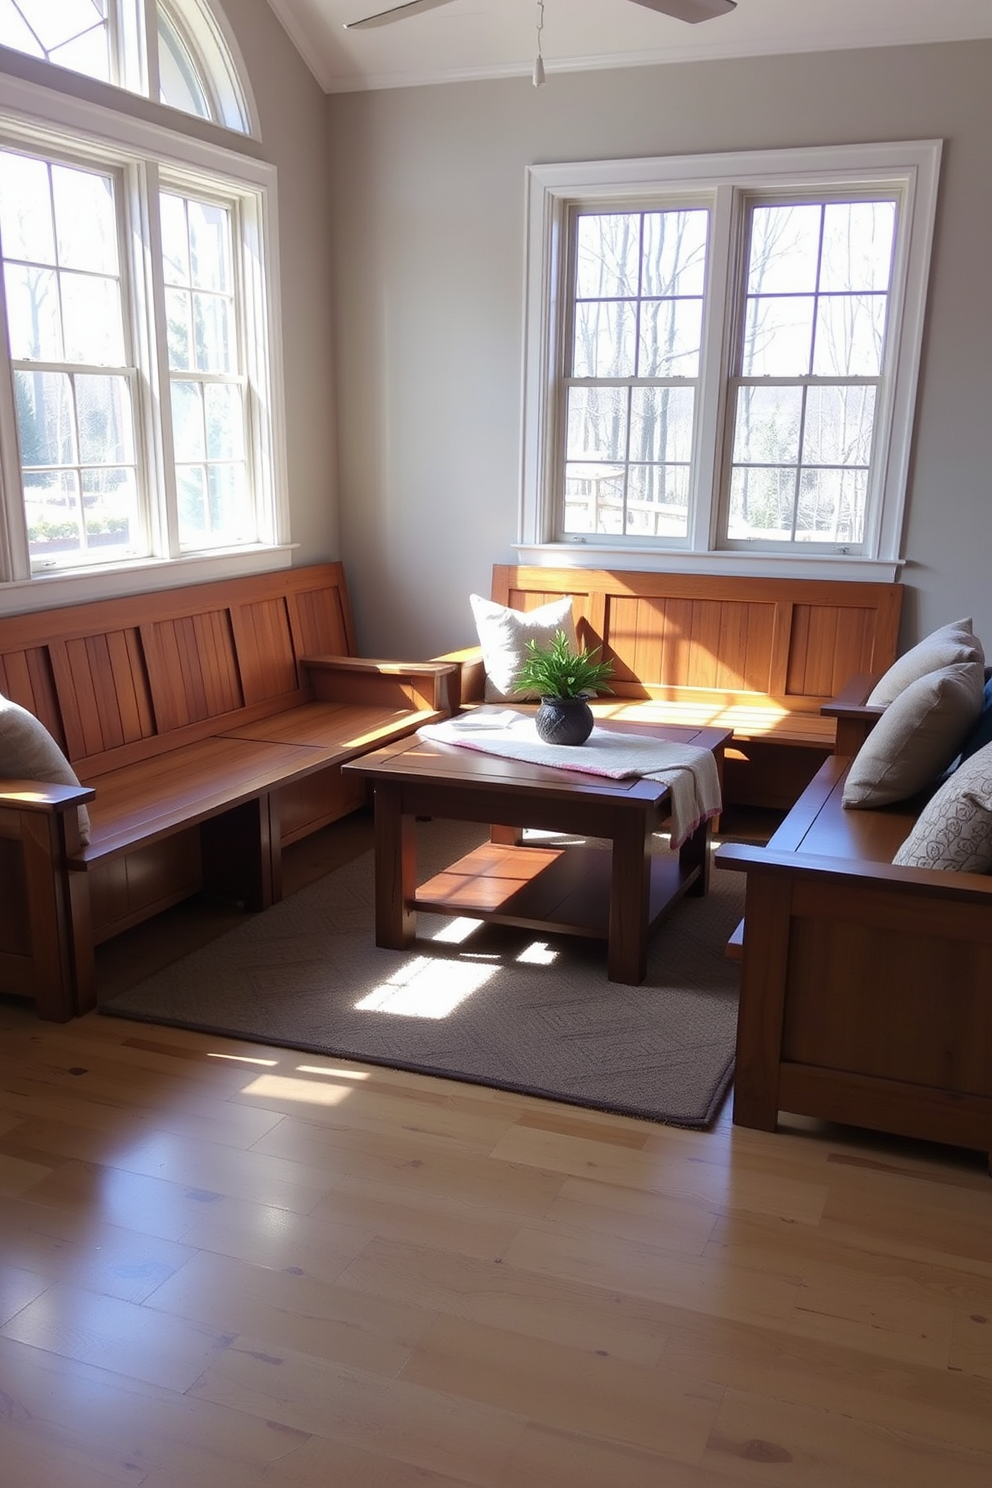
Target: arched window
(141,413)
(172,50)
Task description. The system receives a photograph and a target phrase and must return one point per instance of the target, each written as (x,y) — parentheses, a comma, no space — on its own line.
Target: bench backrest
(120,680)
(790,643)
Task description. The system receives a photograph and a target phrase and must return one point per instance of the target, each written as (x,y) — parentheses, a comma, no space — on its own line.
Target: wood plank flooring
(225,1265)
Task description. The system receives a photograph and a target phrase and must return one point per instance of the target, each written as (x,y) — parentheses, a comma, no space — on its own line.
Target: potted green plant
(565,679)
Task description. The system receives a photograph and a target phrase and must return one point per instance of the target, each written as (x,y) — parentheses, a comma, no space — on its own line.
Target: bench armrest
(419,685)
(39,795)
(855,716)
(891,877)
(468,684)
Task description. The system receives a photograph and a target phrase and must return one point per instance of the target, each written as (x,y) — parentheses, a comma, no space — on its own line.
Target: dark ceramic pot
(564,720)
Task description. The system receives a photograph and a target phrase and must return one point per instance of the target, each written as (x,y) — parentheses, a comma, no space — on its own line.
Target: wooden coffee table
(619,896)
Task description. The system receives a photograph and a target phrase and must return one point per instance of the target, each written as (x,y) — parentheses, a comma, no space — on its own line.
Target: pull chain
(539,59)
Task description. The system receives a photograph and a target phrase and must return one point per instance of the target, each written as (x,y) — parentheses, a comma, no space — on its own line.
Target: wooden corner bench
(208,725)
(759,656)
(866,987)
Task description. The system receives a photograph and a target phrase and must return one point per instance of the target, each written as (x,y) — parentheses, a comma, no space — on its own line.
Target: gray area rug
(489,1004)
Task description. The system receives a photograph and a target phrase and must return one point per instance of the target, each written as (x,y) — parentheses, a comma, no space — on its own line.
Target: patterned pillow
(503,636)
(916,737)
(28,752)
(944,647)
(954,829)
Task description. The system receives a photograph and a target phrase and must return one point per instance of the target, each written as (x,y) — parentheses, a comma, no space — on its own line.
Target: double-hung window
(140,412)
(721,356)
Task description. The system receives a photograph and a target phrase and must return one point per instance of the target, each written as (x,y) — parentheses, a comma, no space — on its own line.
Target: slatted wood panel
(104,691)
(828,646)
(193,668)
(321,621)
(793,643)
(263,634)
(26,678)
(117,680)
(713,644)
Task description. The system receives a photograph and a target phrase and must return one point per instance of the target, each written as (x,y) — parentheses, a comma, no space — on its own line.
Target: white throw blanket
(689,772)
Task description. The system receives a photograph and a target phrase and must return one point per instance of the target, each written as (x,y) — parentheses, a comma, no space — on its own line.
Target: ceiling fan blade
(682,10)
(691,10)
(396,13)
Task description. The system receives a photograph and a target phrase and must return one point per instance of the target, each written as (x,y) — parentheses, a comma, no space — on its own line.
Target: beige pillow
(944,647)
(503,636)
(916,737)
(954,829)
(28,752)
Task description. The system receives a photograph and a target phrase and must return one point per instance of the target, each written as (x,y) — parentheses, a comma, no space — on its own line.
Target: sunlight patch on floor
(424,988)
(240,1058)
(333,1074)
(458,931)
(287,1088)
(538,953)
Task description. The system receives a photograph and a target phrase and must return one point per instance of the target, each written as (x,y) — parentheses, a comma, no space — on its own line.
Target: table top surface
(414,760)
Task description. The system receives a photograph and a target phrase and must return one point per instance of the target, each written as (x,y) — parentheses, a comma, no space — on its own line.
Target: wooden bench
(208,725)
(759,656)
(866,988)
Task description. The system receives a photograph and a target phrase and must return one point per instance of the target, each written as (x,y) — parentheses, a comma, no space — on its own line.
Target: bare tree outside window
(810,363)
(631,392)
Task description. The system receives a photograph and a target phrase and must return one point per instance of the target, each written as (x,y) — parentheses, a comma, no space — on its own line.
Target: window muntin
(183,60)
(850,416)
(70,33)
(181,81)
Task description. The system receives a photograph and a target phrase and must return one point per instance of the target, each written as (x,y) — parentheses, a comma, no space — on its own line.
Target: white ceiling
(467,40)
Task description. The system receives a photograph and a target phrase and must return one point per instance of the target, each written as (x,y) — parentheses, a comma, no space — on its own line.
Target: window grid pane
(634,361)
(810,362)
(106,39)
(76,434)
(71,33)
(209,408)
(75,424)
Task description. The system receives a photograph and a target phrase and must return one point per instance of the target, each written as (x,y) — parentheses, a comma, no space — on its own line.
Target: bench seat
(208,726)
(866,987)
(759,656)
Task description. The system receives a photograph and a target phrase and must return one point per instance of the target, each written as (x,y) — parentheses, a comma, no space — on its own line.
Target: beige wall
(428,191)
(292,118)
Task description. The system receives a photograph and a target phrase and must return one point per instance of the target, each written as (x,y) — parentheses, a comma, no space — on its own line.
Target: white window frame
(725,182)
(145,153)
(203,29)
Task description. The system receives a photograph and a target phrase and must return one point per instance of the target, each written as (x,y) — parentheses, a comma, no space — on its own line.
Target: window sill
(48,589)
(752,565)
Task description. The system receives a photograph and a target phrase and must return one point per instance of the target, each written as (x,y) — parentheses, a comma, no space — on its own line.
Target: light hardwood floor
(231,1266)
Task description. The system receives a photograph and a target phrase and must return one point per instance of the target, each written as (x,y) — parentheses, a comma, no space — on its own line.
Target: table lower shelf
(566,890)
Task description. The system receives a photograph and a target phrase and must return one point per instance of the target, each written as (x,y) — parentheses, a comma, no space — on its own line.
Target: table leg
(630,878)
(395,870)
(506,836)
(695,853)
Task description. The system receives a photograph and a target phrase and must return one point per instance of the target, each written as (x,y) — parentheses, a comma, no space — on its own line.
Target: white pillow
(916,737)
(950,644)
(28,752)
(954,829)
(503,635)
